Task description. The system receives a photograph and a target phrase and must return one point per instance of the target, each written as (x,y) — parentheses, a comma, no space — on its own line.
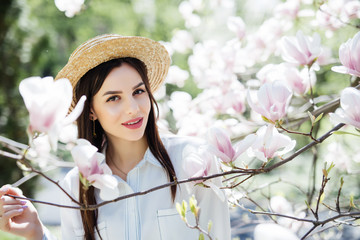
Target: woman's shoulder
(177,143)
(178,147)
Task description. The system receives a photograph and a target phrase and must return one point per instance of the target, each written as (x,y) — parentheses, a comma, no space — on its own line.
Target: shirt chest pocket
(171,226)
(80,233)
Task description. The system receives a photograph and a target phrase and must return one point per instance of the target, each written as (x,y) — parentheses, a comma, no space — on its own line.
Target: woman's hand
(17,216)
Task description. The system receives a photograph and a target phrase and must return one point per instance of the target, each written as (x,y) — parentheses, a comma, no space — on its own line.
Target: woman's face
(122,105)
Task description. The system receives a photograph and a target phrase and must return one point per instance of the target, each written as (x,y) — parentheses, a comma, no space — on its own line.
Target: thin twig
(42,202)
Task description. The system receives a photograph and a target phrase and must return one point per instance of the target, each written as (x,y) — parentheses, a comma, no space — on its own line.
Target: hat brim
(111,46)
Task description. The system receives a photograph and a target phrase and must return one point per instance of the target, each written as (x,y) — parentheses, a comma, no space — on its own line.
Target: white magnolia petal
(340,69)
(290,146)
(83,152)
(260,155)
(337,118)
(220,154)
(75,112)
(243,145)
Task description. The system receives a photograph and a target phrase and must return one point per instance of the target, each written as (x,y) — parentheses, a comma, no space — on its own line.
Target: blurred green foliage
(36,39)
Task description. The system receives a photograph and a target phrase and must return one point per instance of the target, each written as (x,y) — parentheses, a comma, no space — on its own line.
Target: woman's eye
(112,99)
(139,91)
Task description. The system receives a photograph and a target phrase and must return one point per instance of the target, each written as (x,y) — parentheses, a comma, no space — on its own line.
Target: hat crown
(106,47)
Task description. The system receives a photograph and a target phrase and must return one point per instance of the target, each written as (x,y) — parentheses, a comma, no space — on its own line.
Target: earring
(94,132)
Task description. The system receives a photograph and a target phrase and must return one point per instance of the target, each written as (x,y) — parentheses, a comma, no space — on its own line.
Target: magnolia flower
(269,143)
(237,25)
(349,54)
(350,110)
(40,150)
(182,41)
(273,100)
(297,80)
(93,169)
(289,9)
(177,76)
(70,7)
(201,163)
(301,49)
(220,145)
(48,103)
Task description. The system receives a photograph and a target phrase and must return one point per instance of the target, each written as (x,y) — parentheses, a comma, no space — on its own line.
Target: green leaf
(322,197)
(352,202)
(312,118)
(344,133)
(84,182)
(192,203)
(266,119)
(193,206)
(178,208)
(331,166)
(318,118)
(184,207)
(181,208)
(210,223)
(341,182)
(325,173)
(201,236)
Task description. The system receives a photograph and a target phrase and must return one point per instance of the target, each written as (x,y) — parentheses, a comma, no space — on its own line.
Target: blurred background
(36,39)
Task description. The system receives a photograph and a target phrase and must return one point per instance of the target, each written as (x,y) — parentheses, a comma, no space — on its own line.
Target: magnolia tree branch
(315,222)
(250,172)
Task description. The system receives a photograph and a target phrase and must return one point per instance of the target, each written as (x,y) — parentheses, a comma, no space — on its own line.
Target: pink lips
(134,123)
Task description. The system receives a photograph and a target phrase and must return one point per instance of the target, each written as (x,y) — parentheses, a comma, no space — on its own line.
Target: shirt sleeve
(213,209)
(70,218)
(47,235)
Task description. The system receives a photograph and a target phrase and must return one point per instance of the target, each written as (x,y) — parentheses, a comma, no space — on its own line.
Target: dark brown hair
(89,85)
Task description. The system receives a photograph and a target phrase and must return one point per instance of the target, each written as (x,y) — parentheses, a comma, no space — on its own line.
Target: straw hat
(110,46)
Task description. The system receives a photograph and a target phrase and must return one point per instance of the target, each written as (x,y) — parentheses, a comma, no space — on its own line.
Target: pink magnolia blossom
(182,41)
(221,146)
(328,16)
(92,167)
(288,9)
(352,10)
(270,143)
(297,80)
(273,100)
(177,76)
(201,163)
(48,103)
(349,54)
(302,50)
(237,25)
(350,108)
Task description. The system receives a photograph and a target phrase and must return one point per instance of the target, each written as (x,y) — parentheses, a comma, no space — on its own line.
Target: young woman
(118,75)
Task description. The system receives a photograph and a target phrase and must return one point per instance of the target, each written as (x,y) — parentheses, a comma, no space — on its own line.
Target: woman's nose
(132,106)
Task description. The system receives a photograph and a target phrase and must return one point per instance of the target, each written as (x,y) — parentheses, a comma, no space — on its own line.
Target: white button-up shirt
(152,216)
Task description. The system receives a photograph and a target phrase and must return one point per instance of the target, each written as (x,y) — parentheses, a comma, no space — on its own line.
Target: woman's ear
(92,115)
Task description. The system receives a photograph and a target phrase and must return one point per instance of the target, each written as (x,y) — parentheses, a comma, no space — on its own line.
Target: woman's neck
(122,156)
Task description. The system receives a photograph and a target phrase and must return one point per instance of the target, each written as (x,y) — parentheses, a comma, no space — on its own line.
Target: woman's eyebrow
(119,92)
(138,85)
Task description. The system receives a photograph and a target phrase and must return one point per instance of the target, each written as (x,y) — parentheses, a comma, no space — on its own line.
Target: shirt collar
(148,157)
